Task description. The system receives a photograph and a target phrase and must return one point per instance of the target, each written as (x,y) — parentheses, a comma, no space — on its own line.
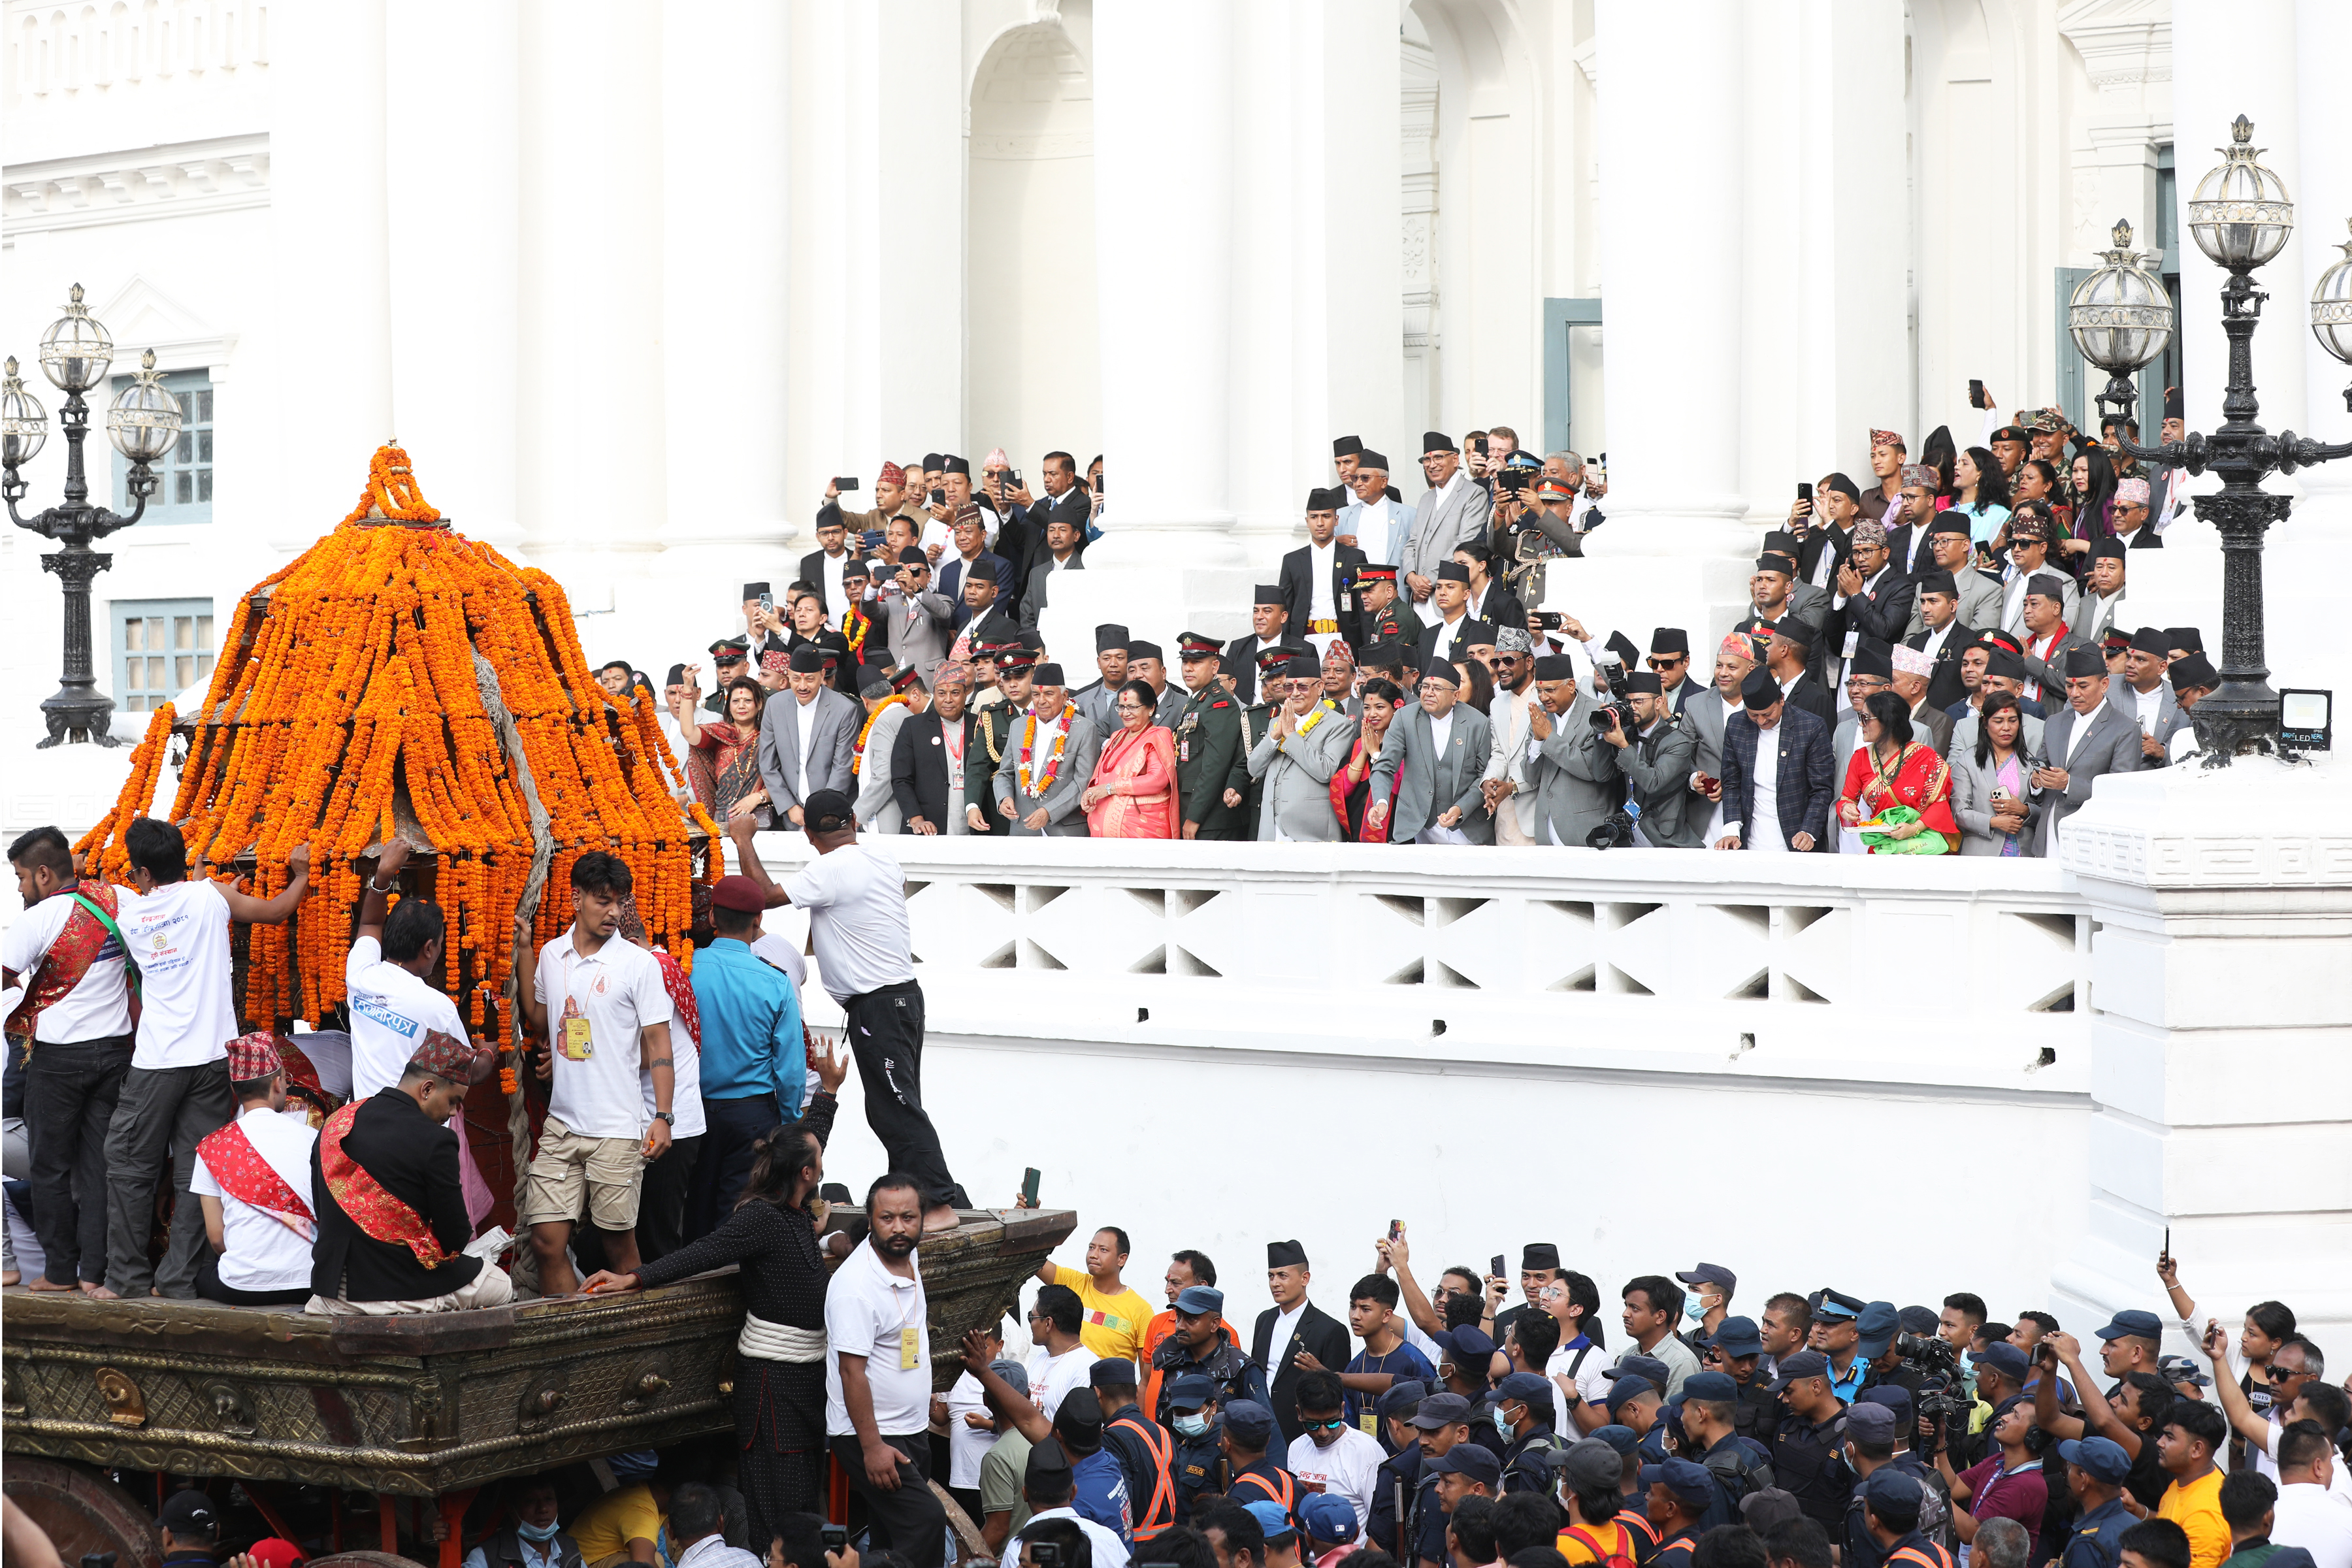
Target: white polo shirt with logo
(866,1308)
(617,991)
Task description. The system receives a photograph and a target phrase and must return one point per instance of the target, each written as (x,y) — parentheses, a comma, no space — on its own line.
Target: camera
(1046,1554)
(1942,1400)
(1552,620)
(1515,481)
(1617,712)
(1615,831)
(836,1536)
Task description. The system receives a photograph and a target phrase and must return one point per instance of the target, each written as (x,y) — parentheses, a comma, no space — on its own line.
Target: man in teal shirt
(754,1055)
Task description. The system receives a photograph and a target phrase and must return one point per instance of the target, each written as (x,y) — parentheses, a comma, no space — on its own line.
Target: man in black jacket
(1291,1325)
(383,1179)
(1322,608)
(931,745)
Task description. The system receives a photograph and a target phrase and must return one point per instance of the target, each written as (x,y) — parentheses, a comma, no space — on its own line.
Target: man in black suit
(397,1145)
(1670,657)
(931,745)
(1490,601)
(1785,657)
(1269,623)
(1871,596)
(820,568)
(1293,1326)
(1794,747)
(1942,637)
(1315,581)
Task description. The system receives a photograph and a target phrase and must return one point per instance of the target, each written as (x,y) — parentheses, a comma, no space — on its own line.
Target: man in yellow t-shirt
(621,1526)
(2191,1436)
(1115,1317)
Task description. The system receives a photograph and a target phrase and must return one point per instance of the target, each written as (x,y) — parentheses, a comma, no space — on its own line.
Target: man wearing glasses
(1670,661)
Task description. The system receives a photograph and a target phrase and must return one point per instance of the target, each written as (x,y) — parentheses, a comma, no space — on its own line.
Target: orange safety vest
(1160,1514)
(1287,1496)
(1918,1559)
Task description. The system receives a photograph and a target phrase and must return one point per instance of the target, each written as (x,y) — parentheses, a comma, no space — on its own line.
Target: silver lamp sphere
(146,418)
(23,423)
(2331,307)
(2120,315)
(2240,215)
(76,350)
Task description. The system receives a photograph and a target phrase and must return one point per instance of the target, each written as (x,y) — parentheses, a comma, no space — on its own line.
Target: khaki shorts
(571,1172)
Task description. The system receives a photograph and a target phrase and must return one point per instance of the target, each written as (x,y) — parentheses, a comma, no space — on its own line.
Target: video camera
(1943,1398)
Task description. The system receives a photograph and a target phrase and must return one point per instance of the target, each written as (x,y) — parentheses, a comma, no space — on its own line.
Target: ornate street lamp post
(2240,216)
(143,425)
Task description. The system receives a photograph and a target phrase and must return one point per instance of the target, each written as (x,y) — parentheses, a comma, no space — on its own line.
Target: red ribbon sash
(244,1175)
(380,1215)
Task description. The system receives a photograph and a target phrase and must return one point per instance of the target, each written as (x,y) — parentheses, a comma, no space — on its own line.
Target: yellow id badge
(578,1044)
(909,1351)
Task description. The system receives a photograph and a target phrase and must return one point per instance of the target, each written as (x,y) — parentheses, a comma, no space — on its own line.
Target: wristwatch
(667,1116)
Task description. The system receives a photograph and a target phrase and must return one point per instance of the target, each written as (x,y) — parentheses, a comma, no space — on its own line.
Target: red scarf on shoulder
(380,1215)
(244,1175)
(69,958)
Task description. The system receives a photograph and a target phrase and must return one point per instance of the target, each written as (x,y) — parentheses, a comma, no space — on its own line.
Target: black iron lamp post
(2240,216)
(142,423)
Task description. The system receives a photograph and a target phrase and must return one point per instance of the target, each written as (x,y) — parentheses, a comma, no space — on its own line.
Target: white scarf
(763,1340)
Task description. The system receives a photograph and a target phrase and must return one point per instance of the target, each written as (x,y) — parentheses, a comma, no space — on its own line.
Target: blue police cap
(1017,1376)
(1271,1518)
(1891,1495)
(1251,1422)
(1877,1322)
(1893,1395)
(2004,1358)
(1328,1517)
(2135,1323)
(1710,1386)
(1870,1423)
(1647,1367)
(1440,1410)
(1468,1460)
(1194,1299)
(1191,1392)
(2102,1458)
(1468,1342)
(1397,1395)
(1624,1439)
(1833,1306)
(1686,1481)
(1803,1363)
(1625,1388)
(1918,1320)
(1737,1336)
(1526,1387)
(1111,1372)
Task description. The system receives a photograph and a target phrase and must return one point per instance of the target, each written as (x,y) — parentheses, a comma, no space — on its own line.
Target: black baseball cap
(828,811)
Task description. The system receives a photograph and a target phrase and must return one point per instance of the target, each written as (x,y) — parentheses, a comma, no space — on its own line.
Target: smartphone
(1494,1265)
(767,604)
(1478,445)
(2165,1256)
(1013,480)
(1976,392)
(939,497)
(1550,620)
(1396,1229)
(871,539)
(836,1536)
(1804,490)
(1046,1554)
(1029,1186)
(1098,483)
(840,483)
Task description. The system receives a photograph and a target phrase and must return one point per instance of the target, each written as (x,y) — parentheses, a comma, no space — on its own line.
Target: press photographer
(1657,759)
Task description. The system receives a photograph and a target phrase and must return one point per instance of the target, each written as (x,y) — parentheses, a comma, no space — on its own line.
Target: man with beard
(877,1393)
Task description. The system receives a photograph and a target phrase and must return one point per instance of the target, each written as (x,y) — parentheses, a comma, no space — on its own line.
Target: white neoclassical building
(631,278)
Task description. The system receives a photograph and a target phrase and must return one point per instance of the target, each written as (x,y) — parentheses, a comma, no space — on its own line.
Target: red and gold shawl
(246,1176)
(380,1215)
(69,958)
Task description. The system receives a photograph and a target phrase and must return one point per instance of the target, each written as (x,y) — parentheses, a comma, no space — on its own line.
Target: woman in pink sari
(1133,792)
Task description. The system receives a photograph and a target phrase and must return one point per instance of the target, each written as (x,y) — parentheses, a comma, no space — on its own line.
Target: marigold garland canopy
(399,678)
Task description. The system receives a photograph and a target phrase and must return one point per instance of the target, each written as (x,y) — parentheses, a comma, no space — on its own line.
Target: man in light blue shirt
(754,1056)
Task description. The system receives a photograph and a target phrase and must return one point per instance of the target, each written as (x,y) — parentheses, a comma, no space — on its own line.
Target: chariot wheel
(81,1511)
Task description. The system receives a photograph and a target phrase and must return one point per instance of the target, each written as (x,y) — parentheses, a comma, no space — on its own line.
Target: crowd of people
(1935,661)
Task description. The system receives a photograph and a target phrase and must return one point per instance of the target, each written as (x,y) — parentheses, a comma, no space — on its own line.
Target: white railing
(1953,974)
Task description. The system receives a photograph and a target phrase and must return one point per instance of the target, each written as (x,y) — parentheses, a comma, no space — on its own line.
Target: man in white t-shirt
(389,975)
(64,950)
(877,1374)
(1060,1360)
(856,895)
(253,1177)
(176,929)
(1332,1455)
(599,1003)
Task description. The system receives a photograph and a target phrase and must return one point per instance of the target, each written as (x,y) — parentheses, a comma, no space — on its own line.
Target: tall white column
(1672,209)
(334,322)
(1168,549)
(726,274)
(452,166)
(2323,209)
(592,438)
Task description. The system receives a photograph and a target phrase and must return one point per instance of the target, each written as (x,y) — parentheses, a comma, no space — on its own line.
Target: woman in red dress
(1133,792)
(1891,769)
(1351,783)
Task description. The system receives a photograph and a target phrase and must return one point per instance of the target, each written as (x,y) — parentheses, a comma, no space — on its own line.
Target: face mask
(1191,1425)
(539,1533)
(1503,1423)
(1695,1309)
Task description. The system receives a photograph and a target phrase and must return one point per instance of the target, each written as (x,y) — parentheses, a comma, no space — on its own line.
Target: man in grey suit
(1955,553)
(1051,811)
(808,735)
(1064,530)
(1372,523)
(1426,781)
(2095,612)
(2146,698)
(921,622)
(1300,751)
(1454,510)
(2085,740)
(1657,762)
(1574,769)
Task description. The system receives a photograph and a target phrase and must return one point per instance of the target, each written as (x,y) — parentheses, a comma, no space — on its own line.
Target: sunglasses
(1669,661)
(1333,1424)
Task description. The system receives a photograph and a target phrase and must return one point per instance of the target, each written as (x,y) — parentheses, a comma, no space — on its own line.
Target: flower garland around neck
(864,622)
(1032,781)
(1322,709)
(857,758)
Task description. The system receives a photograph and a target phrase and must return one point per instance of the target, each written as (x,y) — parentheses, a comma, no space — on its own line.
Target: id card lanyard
(577,1042)
(910,1347)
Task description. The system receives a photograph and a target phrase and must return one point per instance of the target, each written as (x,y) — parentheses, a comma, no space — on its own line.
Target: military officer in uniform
(1383,618)
(1207,745)
(990,733)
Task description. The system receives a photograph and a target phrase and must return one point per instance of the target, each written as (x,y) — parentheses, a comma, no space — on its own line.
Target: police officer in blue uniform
(1199,1464)
(1522,1411)
(1441,1424)
(2096,1469)
(1736,1350)
(1837,1335)
(1808,1456)
(1399,1476)
(1891,1502)
(1145,1450)
(1200,1345)
(1249,1432)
